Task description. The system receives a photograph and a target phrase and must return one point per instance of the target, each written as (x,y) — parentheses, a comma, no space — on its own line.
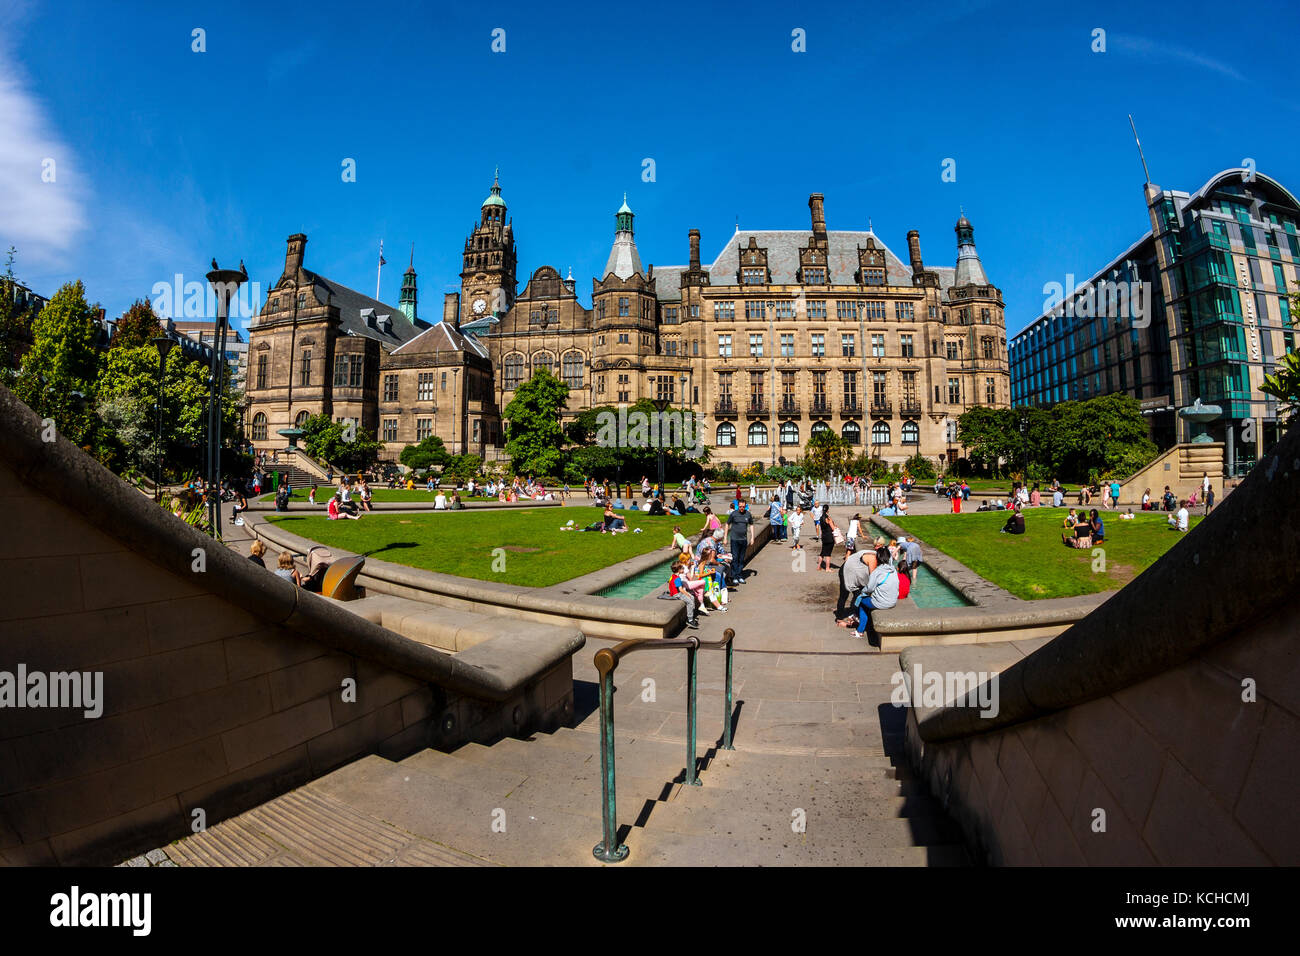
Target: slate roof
(350,304)
(441,337)
(783,260)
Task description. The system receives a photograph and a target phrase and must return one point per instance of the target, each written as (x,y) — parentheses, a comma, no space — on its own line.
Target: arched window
(851,433)
(880,433)
(758,434)
(512,371)
(789,433)
(911,433)
(726,434)
(300,419)
(543,360)
(259,427)
(820,427)
(573,369)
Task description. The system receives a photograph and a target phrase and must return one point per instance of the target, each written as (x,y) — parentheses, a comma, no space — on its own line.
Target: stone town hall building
(785,334)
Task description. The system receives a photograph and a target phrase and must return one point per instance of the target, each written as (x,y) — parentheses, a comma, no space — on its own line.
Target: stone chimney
(815,203)
(297,243)
(451,309)
(914,248)
(695,248)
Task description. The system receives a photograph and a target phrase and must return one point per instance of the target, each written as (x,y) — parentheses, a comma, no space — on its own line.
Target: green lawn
(1036,564)
(537,552)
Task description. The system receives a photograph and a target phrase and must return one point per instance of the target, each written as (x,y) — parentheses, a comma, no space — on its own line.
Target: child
(796,527)
(311,495)
(286,569)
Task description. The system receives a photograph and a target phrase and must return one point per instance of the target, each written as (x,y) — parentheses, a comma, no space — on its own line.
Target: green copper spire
(623,218)
(407,301)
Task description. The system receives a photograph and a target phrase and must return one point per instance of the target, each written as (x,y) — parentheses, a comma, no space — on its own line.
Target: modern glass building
(1195,309)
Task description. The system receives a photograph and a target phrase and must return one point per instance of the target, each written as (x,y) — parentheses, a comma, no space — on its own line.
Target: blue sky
(166,157)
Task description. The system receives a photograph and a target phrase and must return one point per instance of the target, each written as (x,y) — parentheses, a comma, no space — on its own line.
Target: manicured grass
(1036,564)
(325,492)
(537,552)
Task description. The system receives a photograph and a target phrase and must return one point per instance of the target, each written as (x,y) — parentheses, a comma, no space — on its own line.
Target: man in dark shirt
(738,531)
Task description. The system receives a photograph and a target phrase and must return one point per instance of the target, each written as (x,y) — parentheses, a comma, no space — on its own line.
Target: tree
(15,323)
(431,451)
(127,389)
(919,467)
(463,466)
(534,438)
(136,327)
(825,453)
(1284,383)
(328,441)
(57,376)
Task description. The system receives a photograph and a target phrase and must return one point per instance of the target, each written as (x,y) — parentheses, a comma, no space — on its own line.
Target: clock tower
(487,279)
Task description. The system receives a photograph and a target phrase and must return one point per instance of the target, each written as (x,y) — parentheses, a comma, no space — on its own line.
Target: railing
(725,407)
(850,407)
(790,407)
(882,408)
(609,850)
(820,408)
(908,408)
(757,406)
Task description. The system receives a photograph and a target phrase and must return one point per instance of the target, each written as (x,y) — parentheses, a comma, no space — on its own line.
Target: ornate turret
(969,269)
(624,260)
(494,207)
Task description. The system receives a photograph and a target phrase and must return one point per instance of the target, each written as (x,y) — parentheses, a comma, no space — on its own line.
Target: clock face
(479,306)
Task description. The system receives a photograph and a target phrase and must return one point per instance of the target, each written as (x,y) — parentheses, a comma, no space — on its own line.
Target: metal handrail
(609,850)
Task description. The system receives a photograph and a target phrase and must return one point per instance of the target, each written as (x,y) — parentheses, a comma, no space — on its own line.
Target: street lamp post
(1024,442)
(771,344)
(164,345)
(224,283)
(660,403)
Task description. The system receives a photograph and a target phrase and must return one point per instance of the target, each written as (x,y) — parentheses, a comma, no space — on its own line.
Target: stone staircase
(536,802)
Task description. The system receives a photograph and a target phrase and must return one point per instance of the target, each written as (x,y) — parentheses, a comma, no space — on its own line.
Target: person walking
(776,516)
(828,542)
(738,532)
(796,527)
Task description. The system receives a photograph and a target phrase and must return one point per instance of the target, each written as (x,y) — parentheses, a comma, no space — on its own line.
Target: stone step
(761,821)
(463,818)
(653,847)
(571,792)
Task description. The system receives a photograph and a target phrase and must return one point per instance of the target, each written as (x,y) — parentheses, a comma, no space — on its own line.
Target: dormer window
(814,275)
(753,275)
(873,276)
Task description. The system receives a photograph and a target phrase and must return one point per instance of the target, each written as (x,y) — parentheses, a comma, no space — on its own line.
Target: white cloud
(43,219)
(1168,51)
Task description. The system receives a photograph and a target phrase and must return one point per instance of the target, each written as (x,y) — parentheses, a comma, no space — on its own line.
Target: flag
(382,260)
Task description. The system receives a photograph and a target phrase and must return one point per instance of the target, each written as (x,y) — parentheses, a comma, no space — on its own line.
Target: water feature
(640,585)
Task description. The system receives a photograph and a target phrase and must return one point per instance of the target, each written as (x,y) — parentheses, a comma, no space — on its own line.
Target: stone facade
(785,333)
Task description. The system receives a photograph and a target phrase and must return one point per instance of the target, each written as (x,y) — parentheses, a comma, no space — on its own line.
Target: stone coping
(559,600)
(381,506)
(1187,601)
(73,479)
(978,590)
(954,620)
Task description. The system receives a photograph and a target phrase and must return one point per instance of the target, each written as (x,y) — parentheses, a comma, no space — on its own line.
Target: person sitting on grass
(440,502)
(656,507)
(613,523)
(1179,520)
(1071,520)
(456,503)
(336,509)
(1081,535)
(1015,524)
(1098,529)
(1127,516)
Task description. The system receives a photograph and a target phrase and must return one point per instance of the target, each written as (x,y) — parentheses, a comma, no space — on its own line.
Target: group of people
(874,577)
(703,572)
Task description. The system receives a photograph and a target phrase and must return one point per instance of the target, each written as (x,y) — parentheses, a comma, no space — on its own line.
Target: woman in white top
(440,502)
(855,527)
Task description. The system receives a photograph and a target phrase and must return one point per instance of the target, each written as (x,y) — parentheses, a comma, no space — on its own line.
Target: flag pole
(379,274)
